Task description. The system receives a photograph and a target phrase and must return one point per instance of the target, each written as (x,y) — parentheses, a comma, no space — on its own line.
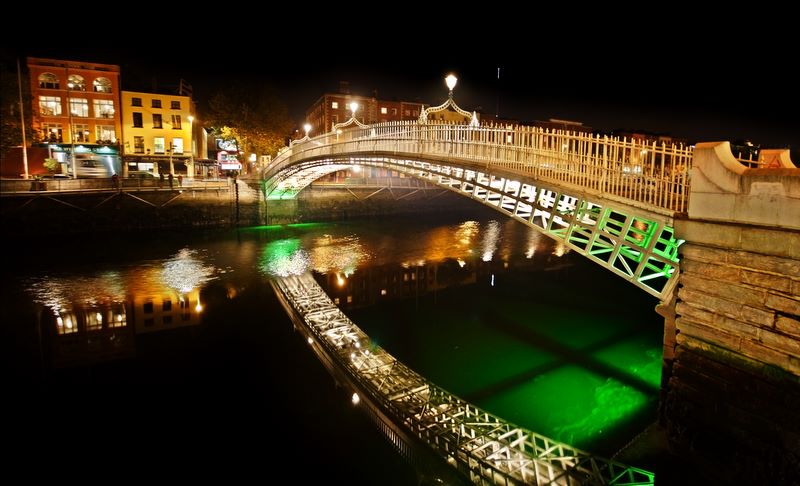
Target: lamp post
(307,128)
(353,108)
(190,169)
(170,150)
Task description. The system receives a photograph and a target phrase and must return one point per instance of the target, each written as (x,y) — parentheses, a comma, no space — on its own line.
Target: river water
(171,347)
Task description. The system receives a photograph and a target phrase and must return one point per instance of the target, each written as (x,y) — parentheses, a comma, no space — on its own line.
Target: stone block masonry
(732,405)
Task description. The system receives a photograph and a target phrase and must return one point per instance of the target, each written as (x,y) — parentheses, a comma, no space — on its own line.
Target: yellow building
(157,134)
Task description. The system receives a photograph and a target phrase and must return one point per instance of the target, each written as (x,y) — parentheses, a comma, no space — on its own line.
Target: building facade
(333,108)
(157,133)
(76,105)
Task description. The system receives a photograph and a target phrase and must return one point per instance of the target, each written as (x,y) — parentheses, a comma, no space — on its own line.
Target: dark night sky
(724,87)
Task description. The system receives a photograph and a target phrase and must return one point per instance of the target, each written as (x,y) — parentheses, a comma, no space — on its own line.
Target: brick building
(333,108)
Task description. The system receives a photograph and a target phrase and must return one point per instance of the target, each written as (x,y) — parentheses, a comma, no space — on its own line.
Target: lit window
(158,145)
(177,146)
(76,82)
(48,81)
(138,145)
(50,105)
(335,105)
(80,132)
(103,109)
(79,107)
(105,133)
(383,291)
(156,120)
(384,110)
(102,85)
(349,299)
(52,132)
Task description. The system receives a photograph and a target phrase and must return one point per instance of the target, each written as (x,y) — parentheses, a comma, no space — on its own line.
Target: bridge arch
(611,201)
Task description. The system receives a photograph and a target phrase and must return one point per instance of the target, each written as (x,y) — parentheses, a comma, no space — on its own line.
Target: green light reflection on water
(569,404)
(283,258)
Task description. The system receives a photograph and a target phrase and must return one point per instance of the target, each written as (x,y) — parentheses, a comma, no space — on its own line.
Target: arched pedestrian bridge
(612,200)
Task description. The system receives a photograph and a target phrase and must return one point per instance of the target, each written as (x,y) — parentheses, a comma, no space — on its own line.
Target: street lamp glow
(353,108)
(307,128)
(451,81)
(191,118)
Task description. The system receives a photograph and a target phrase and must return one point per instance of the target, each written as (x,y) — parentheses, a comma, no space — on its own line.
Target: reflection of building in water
(96,317)
(90,332)
(391,282)
(375,284)
(164,309)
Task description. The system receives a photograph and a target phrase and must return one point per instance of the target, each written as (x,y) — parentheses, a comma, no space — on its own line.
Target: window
(156,120)
(137,120)
(394,111)
(50,105)
(79,107)
(166,305)
(102,85)
(335,105)
(175,105)
(52,132)
(177,146)
(158,145)
(176,122)
(147,308)
(407,112)
(138,145)
(384,110)
(136,102)
(105,133)
(166,319)
(104,109)
(155,103)
(81,132)
(75,82)
(49,81)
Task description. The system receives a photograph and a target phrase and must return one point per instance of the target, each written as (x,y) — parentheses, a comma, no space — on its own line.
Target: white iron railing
(650,174)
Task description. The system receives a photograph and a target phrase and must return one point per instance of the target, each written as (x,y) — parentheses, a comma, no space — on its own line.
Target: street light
(451,81)
(353,108)
(307,128)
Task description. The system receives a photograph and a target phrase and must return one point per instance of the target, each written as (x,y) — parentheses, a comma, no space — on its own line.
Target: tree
(10,126)
(255,120)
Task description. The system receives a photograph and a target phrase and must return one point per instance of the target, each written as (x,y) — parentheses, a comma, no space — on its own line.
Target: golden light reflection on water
(337,254)
(491,238)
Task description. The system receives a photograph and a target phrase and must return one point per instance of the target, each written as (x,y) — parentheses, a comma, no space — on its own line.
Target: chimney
(375,93)
(344,87)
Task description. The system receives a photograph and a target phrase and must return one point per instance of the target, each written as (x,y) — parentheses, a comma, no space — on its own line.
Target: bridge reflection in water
(483,447)
(409,408)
